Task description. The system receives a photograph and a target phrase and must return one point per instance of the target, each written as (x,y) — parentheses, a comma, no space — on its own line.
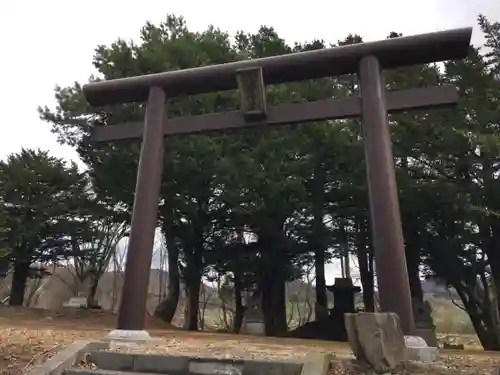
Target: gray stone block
(160,363)
(425,355)
(316,365)
(254,328)
(263,367)
(377,338)
(78,371)
(112,360)
(205,366)
(419,351)
(96,345)
(62,360)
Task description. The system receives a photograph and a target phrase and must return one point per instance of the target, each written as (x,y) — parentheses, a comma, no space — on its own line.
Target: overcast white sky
(51,42)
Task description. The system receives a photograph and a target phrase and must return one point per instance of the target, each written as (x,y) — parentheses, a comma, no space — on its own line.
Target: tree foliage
(41,196)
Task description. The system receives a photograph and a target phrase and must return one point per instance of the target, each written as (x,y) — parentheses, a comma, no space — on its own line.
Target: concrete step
(125,363)
(138,362)
(83,371)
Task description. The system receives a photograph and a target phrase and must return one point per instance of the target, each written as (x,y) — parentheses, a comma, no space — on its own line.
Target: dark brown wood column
(144,216)
(390,260)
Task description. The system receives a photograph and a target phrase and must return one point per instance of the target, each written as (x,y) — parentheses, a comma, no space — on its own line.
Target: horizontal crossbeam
(391,53)
(329,109)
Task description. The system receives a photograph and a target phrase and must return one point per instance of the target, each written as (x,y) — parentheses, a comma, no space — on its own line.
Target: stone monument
(344,292)
(254,317)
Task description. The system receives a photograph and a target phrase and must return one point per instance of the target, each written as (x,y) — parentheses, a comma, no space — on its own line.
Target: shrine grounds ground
(30,336)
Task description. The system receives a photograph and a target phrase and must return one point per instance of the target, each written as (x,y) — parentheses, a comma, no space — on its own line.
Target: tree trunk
(194,269)
(318,236)
(91,298)
(413,257)
(266,288)
(239,310)
(193,286)
(279,301)
(487,336)
(319,266)
(344,254)
(272,289)
(18,286)
(347,262)
(271,281)
(168,306)
(492,246)
(413,267)
(486,322)
(489,229)
(365,268)
(266,292)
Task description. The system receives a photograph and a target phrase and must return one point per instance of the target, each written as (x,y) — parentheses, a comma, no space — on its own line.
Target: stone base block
(418,350)
(255,328)
(425,355)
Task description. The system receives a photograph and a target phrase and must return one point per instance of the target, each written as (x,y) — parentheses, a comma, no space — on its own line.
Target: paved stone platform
(102,358)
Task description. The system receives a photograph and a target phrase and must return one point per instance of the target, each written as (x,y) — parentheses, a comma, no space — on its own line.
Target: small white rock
(415,342)
(129,335)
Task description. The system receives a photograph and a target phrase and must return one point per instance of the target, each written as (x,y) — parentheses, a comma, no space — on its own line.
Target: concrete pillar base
(418,350)
(255,328)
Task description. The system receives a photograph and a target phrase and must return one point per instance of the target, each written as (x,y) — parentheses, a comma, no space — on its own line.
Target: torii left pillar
(132,313)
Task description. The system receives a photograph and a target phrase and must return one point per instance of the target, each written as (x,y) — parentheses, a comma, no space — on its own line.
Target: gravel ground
(226,348)
(29,337)
(447,365)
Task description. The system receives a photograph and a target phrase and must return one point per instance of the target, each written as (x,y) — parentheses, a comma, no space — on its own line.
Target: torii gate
(250,77)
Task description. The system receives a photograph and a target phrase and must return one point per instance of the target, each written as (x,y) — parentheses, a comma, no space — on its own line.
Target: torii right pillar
(390,259)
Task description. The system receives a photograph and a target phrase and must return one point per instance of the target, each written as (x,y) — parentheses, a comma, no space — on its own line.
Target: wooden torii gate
(251,77)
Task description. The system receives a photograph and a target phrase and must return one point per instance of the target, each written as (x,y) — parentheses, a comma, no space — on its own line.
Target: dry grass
(235,347)
(21,347)
(30,336)
(449,318)
(449,365)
